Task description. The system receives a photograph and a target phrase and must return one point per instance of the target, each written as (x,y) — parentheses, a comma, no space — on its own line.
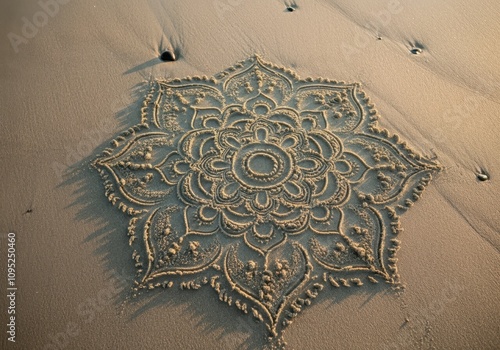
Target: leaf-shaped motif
(269,283)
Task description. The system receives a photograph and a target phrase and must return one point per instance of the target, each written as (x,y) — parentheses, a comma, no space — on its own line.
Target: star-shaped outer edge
(141,213)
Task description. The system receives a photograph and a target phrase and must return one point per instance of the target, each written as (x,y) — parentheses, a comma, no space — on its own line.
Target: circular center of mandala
(262,165)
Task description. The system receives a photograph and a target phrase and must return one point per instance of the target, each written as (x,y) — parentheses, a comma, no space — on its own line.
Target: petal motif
(228,193)
(351,167)
(297,192)
(133,169)
(332,189)
(325,144)
(173,168)
(203,220)
(194,189)
(260,105)
(209,118)
(326,220)
(175,99)
(271,287)
(264,236)
(336,102)
(236,117)
(196,144)
(355,246)
(171,252)
(258,78)
(313,166)
(390,172)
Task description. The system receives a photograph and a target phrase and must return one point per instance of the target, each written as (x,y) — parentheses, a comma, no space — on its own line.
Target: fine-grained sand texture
(265,186)
(74,75)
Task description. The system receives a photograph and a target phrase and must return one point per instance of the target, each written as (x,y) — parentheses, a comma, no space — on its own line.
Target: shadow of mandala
(95,209)
(114,250)
(267,188)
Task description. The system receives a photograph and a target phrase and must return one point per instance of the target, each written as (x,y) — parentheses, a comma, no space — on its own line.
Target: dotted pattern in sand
(264,186)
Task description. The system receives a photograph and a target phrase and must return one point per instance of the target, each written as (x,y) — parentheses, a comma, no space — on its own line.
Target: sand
(79,77)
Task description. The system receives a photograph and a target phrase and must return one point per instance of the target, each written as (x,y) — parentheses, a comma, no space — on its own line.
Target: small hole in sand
(167,56)
(416,51)
(290,9)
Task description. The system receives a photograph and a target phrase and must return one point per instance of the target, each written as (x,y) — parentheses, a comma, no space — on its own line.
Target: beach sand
(75,75)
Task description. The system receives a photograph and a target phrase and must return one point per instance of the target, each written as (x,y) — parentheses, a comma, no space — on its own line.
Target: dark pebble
(416,51)
(167,56)
(482,177)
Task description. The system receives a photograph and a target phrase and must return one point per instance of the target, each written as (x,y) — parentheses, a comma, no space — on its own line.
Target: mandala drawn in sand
(263,186)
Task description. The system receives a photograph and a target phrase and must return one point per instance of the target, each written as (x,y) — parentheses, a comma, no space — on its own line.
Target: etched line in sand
(264,186)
